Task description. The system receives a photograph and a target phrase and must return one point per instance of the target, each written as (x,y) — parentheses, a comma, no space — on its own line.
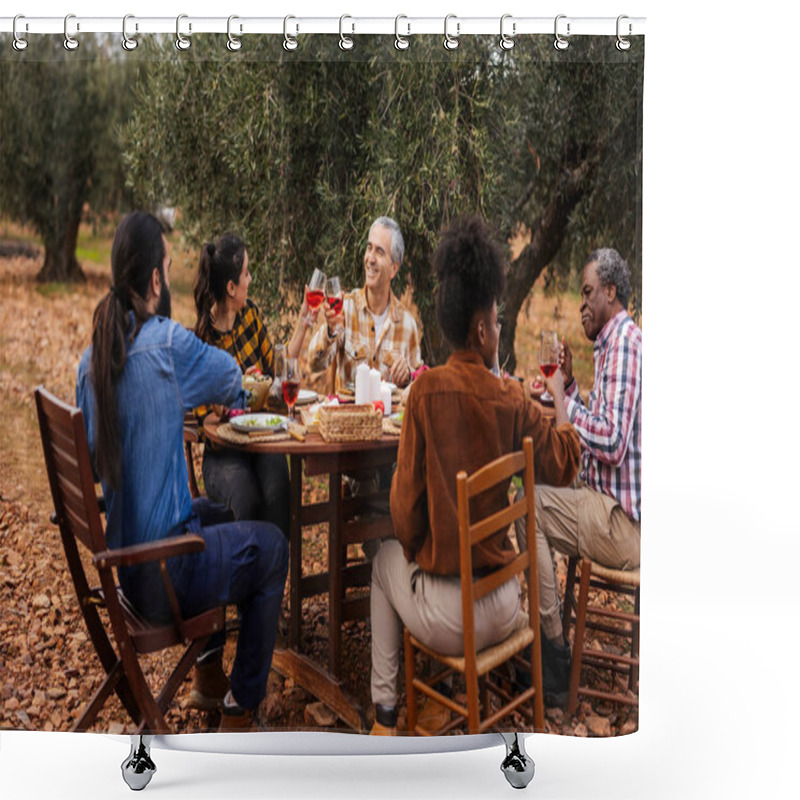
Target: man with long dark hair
(141,374)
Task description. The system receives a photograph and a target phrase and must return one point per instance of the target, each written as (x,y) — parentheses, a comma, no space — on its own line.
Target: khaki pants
(430,607)
(577,521)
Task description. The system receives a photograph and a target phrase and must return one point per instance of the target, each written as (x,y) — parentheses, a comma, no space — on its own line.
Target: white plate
(259,422)
(306,396)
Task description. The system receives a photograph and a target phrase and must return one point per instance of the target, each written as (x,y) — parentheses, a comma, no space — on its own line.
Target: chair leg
(411,695)
(517,766)
(634,674)
(569,597)
(485,698)
(580,631)
(194,489)
(138,768)
(473,702)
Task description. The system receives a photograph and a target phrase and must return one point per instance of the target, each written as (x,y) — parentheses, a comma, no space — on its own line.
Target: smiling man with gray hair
(373,327)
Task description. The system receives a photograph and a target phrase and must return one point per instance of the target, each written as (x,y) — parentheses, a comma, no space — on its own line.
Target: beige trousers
(430,607)
(577,521)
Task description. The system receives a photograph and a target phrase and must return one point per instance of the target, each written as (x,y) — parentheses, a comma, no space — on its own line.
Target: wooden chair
(77,515)
(476,667)
(619,623)
(191,437)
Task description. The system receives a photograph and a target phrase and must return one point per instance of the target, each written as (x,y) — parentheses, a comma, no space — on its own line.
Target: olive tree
(298,152)
(59,145)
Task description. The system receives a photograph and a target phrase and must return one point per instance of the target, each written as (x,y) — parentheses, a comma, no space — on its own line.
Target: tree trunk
(435,347)
(548,233)
(60,263)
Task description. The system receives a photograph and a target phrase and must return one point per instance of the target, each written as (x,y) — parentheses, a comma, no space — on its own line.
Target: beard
(164,307)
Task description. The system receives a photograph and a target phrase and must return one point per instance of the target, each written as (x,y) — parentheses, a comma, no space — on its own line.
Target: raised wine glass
(315,291)
(334,294)
(278,367)
(290,384)
(548,359)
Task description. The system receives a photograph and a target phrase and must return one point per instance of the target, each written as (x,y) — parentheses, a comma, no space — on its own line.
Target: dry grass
(47,327)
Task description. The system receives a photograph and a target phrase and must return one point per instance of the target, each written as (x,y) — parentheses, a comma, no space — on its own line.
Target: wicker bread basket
(350,423)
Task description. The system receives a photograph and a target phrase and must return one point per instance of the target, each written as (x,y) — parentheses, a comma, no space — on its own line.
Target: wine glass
(334,293)
(290,384)
(548,359)
(315,291)
(279,363)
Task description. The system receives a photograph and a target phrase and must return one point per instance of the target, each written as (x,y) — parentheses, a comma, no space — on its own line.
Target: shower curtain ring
(181,41)
(234,44)
(622,42)
(506,41)
(400,42)
(128,42)
(345,42)
(451,42)
(561,42)
(70,43)
(289,42)
(18,43)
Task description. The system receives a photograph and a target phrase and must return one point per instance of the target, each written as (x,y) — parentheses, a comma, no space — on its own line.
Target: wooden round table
(350,520)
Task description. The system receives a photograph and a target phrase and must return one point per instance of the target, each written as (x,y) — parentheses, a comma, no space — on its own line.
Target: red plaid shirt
(610,427)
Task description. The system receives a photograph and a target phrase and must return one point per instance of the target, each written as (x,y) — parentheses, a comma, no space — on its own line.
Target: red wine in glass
(315,291)
(548,359)
(291,389)
(335,298)
(314,298)
(290,385)
(548,370)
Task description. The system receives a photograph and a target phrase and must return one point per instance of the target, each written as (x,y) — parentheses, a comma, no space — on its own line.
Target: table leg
(335,566)
(295,551)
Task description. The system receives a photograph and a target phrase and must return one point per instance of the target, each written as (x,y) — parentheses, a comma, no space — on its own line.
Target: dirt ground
(48,668)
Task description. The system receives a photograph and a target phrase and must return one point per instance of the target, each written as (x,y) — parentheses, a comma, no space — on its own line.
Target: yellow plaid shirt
(360,342)
(247,341)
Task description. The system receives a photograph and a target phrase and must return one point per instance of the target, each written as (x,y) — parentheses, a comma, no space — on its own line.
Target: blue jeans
(252,485)
(244,563)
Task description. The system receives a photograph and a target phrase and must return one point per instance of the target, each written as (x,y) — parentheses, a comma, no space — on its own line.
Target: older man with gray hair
(599,516)
(373,326)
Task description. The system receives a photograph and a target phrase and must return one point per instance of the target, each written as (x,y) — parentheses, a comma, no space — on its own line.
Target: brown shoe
(209,686)
(433,716)
(236,720)
(382,730)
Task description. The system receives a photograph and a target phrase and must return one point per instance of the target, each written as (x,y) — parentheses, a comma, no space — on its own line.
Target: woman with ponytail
(252,485)
(135,383)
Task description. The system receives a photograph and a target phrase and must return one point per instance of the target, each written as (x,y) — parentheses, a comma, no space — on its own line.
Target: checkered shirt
(247,341)
(360,342)
(610,427)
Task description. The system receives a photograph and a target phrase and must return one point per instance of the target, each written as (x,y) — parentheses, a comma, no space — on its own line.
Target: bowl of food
(259,423)
(258,385)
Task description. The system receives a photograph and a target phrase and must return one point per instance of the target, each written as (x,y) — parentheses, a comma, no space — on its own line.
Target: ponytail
(138,249)
(203,296)
(220,261)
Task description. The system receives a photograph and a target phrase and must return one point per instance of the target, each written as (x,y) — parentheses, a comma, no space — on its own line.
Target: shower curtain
(296,150)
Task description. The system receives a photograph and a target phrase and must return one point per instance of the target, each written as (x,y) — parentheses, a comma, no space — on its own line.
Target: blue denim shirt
(168,371)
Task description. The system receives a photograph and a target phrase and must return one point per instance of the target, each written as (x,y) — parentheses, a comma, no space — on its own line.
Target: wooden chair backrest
(472,532)
(77,512)
(69,470)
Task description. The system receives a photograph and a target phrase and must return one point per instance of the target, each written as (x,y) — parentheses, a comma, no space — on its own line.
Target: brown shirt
(460,416)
